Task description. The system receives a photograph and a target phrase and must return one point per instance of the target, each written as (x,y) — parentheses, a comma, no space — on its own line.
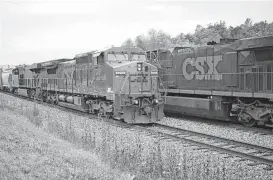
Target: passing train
(231,80)
(115,82)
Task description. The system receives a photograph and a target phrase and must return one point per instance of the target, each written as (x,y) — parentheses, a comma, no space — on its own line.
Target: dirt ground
(28,152)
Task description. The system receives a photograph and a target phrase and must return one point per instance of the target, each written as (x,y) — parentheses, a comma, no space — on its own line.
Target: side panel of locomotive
(65,76)
(206,68)
(80,77)
(189,75)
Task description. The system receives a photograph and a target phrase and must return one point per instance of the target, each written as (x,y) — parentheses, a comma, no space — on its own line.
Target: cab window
(118,57)
(138,57)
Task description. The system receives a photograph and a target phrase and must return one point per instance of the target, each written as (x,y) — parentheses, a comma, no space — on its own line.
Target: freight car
(231,80)
(114,82)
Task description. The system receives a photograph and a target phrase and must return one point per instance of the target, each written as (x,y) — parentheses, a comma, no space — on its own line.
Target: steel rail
(187,135)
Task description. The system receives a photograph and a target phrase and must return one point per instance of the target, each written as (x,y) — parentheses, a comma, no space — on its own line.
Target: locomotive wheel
(247,120)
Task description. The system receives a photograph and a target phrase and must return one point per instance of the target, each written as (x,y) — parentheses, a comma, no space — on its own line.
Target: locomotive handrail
(125,78)
(117,86)
(165,90)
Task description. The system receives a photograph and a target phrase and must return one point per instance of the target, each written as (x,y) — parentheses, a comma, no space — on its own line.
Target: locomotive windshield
(117,57)
(138,57)
(125,57)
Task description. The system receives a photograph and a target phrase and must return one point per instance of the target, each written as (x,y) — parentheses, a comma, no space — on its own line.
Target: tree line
(213,32)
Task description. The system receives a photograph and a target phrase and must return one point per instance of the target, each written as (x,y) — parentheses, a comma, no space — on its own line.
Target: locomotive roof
(254,42)
(47,64)
(84,54)
(119,49)
(111,49)
(68,62)
(166,49)
(241,44)
(55,61)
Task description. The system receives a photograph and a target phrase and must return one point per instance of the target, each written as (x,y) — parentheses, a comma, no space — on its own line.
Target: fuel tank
(214,108)
(62,97)
(70,99)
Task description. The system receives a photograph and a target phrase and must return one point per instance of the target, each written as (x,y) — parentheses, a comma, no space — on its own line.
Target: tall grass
(1,102)
(33,115)
(143,155)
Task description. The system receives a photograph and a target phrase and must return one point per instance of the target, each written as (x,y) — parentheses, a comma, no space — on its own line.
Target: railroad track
(261,130)
(258,154)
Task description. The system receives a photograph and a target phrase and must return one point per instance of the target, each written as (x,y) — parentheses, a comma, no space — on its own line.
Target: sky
(40,30)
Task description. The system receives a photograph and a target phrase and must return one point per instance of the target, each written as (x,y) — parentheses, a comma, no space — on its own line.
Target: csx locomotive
(231,80)
(115,82)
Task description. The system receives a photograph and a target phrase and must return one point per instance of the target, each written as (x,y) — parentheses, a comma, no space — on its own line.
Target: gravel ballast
(228,131)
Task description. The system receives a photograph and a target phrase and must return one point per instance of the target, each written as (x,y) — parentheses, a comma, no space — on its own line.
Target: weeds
(34,117)
(144,156)
(1,103)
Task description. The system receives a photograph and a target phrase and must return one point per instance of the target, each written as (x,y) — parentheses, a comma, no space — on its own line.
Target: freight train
(231,80)
(115,82)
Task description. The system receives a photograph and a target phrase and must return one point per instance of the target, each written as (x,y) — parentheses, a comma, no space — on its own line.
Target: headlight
(139,66)
(135,101)
(156,101)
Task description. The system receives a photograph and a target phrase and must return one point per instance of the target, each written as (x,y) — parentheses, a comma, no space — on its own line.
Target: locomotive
(231,80)
(114,82)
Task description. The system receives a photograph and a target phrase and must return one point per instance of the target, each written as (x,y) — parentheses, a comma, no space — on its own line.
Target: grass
(28,152)
(134,152)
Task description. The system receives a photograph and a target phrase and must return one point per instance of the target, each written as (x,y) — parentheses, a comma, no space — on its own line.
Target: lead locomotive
(114,82)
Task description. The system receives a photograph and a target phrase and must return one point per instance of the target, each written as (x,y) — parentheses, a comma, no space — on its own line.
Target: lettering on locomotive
(203,68)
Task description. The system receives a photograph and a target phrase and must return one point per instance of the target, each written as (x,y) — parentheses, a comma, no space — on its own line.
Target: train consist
(228,81)
(114,82)
(231,80)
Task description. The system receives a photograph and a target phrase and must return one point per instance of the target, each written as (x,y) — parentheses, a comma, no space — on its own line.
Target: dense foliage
(213,32)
